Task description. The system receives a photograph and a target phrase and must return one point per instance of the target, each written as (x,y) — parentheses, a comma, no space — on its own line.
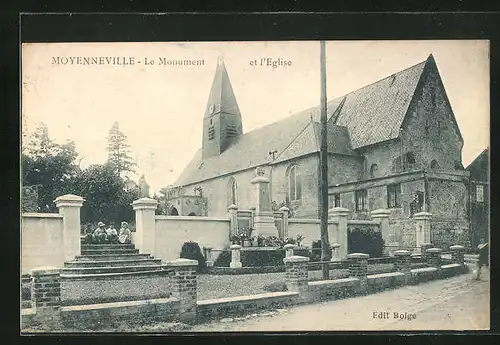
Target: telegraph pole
(323,162)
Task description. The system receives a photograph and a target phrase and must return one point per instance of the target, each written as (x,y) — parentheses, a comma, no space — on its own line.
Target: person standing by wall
(483,257)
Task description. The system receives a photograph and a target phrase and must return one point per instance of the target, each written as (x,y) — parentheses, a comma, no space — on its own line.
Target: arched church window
(294,189)
(374,170)
(231,191)
(434,164)
(409,160)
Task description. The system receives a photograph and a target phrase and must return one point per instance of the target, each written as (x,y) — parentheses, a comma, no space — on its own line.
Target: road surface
(458,303)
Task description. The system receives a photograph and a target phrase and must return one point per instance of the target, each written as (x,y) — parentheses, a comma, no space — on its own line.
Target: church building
(393,144)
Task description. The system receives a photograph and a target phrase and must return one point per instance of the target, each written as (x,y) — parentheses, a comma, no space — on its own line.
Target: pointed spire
(221,98)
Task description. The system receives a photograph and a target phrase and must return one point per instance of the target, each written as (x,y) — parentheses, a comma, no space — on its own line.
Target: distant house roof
(479,167)
(363,117)
(479,159)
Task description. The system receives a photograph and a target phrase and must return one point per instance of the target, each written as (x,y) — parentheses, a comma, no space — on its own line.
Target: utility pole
(323,162)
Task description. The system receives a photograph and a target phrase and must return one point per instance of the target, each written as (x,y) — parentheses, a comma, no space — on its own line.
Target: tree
(48,167)
(118,151)
(107,198)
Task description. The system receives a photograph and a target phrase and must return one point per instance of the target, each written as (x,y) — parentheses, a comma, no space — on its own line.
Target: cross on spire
(220,59)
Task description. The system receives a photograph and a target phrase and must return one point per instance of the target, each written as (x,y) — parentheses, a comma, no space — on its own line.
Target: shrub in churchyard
(316,251)
(365,240)
(191,250)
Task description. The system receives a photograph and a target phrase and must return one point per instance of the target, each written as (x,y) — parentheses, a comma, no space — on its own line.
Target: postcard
(270,186)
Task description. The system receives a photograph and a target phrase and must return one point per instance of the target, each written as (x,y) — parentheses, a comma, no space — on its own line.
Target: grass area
(220,286)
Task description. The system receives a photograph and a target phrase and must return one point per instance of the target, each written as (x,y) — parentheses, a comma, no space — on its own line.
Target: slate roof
(375,112)
(363,117)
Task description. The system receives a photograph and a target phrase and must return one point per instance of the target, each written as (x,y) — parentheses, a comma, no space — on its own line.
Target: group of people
(110,235)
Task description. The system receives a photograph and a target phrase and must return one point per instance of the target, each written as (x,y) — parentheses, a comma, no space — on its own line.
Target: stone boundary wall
(51,238)
(173,232)
(41,240)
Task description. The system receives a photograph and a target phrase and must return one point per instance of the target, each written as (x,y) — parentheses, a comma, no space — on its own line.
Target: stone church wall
(216,189)
(448,205)
(429,130)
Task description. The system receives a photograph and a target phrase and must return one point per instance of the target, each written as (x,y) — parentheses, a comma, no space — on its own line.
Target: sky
(160,108)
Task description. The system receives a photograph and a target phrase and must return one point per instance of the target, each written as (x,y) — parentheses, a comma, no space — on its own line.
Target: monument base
(264,224)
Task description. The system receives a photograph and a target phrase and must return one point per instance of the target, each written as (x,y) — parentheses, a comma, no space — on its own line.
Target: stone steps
(110,260)
(109,257)
(110,251)
(105,270)
(112,263)
(108,246)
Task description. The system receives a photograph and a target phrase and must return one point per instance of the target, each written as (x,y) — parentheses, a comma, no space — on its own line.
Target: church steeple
(222,119)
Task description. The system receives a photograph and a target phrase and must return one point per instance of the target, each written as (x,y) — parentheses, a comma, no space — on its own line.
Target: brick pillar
(358,268)
(208,256)
(296,276)
(46,295)
(423,228)
(289,250)
(69,207)
(335,252)
(145,227)
(339,215)
(402,263)
(233,220)
(434,257)
(457,254)
(284,222)
(235,256)
(184,287)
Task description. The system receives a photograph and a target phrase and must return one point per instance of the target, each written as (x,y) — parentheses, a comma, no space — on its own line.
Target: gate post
(339,214)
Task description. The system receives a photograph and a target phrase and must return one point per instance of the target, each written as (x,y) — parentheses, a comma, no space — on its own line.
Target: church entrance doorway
(174,212)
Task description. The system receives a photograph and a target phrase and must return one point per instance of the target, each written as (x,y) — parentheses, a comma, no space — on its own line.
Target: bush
(191,250)
(316,254)
(366,240)
(301,251)
(253,258)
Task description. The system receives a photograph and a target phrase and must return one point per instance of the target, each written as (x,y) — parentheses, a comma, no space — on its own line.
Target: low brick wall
(95,316)
(114,288)
(383,281)
(451,270)
(332,289)
(224,307)
(421,275)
